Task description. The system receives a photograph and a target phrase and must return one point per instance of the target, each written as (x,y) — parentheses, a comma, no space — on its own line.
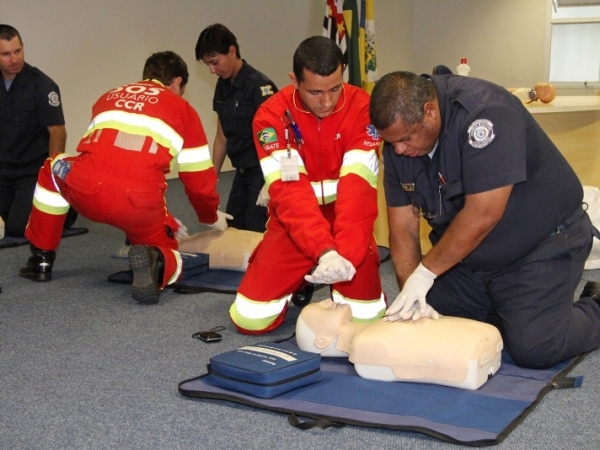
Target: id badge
(289,168)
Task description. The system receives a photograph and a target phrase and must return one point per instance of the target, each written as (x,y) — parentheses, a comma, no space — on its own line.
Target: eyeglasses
(418,208)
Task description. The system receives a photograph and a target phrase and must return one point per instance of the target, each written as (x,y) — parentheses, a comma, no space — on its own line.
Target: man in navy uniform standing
(32,126)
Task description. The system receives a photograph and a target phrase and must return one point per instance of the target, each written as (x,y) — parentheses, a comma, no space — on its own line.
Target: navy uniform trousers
(531,301)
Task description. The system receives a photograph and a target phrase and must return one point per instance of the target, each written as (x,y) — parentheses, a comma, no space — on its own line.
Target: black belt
(244,170)
(574,217)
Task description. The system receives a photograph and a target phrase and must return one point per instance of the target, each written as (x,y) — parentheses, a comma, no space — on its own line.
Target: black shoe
(147,265)
(39,265)
(591,290)
(70,219)
(303,296)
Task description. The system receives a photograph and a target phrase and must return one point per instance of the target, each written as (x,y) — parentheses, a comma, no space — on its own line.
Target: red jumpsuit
(137,132)
(333,205)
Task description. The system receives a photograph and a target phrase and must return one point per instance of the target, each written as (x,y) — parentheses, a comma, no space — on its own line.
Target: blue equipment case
(264,370)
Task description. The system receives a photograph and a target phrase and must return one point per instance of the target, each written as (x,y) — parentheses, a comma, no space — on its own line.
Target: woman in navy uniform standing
(240,90)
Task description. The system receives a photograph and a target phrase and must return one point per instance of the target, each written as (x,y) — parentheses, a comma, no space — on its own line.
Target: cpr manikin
(229,249)
(449,351)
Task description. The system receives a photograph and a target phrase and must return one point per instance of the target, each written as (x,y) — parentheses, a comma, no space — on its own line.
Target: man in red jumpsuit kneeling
(318,153)
(137,132)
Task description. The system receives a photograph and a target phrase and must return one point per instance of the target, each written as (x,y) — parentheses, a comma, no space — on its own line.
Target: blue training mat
(9,241)
(213,280)
(482,417)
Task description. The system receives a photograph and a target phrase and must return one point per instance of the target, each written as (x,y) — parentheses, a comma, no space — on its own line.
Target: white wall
(503,40)
(89,47)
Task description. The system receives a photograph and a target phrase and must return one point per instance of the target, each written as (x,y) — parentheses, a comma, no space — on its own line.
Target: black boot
(39,265)
(147,264)
(591,290)
(303,296)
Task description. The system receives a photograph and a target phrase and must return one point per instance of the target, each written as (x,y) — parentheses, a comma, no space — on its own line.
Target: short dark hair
(317,54)
(164,67)
(7,33)
(400,95)
(216,39)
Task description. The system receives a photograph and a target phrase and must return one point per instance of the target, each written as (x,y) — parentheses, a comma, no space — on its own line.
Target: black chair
(441,70)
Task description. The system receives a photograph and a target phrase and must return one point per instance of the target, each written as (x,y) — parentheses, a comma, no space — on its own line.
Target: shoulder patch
(266,90)
(372,132)
(267,135)
(53,99)
(481,133)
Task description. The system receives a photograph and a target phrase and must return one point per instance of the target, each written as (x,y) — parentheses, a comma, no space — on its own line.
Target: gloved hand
(413,293)
(221,223)
(263,197)
(415,314)
(332,268)
(182,231)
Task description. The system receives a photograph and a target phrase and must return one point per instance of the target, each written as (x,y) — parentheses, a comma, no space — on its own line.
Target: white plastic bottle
(463,68)
(1,228)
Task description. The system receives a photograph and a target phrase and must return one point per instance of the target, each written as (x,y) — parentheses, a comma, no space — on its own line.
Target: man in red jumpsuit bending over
(137,132)
(318,153)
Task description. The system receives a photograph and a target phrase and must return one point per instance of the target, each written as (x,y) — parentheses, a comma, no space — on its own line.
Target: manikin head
(319,326)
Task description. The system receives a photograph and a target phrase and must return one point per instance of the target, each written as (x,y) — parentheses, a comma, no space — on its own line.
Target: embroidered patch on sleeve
(481,133)
(266,90)
(267,135)
(372,132)
(53,99)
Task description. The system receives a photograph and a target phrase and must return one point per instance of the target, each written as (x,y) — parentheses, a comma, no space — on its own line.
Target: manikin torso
(449,351)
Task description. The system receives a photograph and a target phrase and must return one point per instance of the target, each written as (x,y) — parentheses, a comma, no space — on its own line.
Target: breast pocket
(452,190)
(24,113)
(243,111)
(453,197)
(240,120)
(25,105)
(425,196)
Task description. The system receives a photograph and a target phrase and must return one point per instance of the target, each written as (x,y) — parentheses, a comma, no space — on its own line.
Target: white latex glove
(182,231)
(332,268)
(221,223)
(415,314)
(263,197)
(413,293)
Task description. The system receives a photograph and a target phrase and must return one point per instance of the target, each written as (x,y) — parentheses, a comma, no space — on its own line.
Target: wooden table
(573,124)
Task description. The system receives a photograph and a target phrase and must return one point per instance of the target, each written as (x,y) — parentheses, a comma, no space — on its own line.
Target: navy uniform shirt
(31,104)
(488,140)
(235,103)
